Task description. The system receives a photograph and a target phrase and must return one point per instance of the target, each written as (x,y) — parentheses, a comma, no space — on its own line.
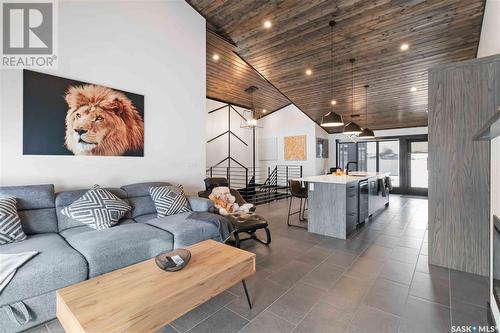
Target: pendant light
(367,133)
(250,119)
(332,119)
(352,129)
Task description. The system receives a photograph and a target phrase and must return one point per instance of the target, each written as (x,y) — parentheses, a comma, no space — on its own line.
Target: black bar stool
(297,191)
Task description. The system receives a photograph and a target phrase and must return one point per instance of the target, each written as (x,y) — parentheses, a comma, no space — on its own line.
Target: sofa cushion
(185,232)
(169,200)
(56,266)
(10,223)
(35,206)
(66,198)
(123,245)
(97,208)
(201,204)
(139,198)
(145,218)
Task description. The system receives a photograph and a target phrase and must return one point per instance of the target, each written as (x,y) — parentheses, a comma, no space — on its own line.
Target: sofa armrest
(201,204)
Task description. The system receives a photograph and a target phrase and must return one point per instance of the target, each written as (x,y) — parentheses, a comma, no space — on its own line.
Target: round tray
(161,259)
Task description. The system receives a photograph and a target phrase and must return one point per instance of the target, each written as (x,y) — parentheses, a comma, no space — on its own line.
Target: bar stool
(297,191)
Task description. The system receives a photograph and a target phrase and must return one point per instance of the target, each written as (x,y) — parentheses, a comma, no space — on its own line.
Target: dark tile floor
(377,281)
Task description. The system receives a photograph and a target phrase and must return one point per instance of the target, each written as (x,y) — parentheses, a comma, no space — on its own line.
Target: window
(403,157)
(388,159)
(367,156)
(347,153)
(418,164)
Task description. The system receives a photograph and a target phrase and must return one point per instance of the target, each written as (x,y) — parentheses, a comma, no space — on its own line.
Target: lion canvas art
(63,117)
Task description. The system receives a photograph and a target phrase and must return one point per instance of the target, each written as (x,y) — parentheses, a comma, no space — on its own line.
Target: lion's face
(101,121)
(87,127)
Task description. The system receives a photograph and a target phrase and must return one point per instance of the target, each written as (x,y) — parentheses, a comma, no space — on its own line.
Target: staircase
(269,184)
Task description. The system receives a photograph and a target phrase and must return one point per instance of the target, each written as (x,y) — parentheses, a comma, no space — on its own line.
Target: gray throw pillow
(98,208)
(10,223)
(169,200)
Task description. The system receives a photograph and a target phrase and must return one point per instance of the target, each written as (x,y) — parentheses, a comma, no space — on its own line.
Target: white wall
(290,121)
(489,43)
(152,48)
(217,123)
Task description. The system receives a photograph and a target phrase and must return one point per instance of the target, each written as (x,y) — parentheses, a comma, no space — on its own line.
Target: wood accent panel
(462,97)
(295,148)
(228,77)
(438,32)
(143,298)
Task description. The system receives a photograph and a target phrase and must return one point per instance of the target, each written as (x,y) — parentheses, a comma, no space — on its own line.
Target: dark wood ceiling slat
(439,32)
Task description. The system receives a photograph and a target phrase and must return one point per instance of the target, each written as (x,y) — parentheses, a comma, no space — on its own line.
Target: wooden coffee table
(143,298)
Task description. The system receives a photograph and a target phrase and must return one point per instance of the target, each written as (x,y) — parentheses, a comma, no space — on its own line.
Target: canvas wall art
(321,148)
(68,117)
(295,148)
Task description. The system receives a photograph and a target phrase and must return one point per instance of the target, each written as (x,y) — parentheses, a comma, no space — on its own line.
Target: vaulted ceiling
(371,31)
(229,76)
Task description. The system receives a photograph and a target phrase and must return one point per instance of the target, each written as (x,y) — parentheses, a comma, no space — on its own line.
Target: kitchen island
(337,204)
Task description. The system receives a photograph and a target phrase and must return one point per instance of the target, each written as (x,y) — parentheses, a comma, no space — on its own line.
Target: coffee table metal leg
(246,293)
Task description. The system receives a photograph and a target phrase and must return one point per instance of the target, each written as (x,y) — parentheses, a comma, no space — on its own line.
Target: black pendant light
(367,133)
(332,119)
(352,128)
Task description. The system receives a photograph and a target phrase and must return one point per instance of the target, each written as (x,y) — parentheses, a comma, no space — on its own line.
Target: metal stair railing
(269,185)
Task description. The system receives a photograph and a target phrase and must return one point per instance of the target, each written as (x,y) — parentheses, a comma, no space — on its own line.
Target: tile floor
(377,281)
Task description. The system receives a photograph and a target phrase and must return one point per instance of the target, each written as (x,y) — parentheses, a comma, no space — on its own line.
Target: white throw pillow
(169,200)
(98,208)
(10,223)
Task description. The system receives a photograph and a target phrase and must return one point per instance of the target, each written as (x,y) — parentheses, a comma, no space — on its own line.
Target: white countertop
(334,179)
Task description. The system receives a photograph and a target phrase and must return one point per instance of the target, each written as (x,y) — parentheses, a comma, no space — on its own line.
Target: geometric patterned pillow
(169,200)
(97,208)
(10,223)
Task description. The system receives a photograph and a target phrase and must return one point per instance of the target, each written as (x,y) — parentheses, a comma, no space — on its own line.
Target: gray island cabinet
(337,204)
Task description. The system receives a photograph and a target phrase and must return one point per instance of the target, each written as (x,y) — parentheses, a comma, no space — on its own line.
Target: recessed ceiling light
(404,47)
(264,110)
(215,57)
(267,24)
(334,102)
(413,89)
(308,71)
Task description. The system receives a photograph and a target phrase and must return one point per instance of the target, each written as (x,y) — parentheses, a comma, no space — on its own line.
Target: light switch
(311,186)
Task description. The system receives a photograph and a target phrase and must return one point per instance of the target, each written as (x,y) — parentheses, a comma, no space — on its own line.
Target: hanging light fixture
(332,119)
(352,129)
(367,133)
(249,115)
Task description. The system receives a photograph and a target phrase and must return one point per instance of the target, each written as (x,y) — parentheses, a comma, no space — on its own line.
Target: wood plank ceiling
(371,31)
(229,76)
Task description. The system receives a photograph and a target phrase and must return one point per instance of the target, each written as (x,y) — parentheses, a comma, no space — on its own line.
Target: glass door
(388,160)
(417,178)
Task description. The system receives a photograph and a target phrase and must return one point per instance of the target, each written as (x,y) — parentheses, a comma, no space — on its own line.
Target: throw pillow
(169,200)
(98,208)
(10,223)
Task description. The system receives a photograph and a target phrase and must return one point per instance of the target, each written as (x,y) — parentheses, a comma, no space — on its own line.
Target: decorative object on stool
(246,222)
(173,261)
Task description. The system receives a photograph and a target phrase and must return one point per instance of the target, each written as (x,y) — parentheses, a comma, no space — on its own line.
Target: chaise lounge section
(70,252)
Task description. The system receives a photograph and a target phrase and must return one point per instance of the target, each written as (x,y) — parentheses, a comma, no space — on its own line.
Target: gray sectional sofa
(71,252)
